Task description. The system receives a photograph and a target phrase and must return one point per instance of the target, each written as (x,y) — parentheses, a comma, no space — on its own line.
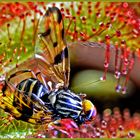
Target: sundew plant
(110,26)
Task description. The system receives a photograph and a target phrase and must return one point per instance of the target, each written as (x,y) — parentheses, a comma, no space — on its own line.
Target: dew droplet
(93,29)
(114,135)
(121,128)
(126,62)
(103,78)
(124,90)
(103,124)
(125,4)
(18,57)
(102,133)
(117,74)
(106,64)
(98,14)
(101,24)
(131,134)
(118,88)
(124,71)
(118,33)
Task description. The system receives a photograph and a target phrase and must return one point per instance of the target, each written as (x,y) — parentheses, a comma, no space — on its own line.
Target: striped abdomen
(31,92)
(68,104)
(32,86)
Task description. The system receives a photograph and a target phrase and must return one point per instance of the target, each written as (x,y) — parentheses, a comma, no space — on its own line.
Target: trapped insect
(42,96)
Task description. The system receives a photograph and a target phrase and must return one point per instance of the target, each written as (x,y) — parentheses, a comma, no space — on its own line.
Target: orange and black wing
(51,51)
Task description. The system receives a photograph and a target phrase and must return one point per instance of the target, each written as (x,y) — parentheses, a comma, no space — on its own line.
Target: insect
(40,95)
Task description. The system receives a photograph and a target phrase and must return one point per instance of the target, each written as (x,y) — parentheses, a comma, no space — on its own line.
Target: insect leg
(41,78)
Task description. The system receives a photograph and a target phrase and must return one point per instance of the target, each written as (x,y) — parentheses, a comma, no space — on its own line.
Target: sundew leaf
(11,128)
(84,21)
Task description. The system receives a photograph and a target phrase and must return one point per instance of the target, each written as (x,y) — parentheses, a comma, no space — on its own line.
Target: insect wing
(52,52)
